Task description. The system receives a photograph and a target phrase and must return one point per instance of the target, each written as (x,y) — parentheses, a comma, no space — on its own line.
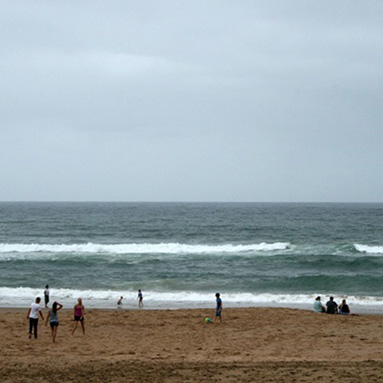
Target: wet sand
(252,345)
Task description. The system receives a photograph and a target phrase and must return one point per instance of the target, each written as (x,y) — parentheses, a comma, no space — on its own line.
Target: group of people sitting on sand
(52,317)
(331,307)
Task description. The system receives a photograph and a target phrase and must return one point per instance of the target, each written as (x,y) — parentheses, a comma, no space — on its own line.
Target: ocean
(181,254)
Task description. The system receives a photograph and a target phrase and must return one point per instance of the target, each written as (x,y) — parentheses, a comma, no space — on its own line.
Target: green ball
(207,320)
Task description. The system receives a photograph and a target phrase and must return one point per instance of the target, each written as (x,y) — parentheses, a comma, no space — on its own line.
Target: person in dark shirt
(343,308)
(332,307)
(46,295)
(140,298)
(218,310)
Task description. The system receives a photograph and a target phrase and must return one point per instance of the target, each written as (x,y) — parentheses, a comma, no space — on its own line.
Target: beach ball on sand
(207,320)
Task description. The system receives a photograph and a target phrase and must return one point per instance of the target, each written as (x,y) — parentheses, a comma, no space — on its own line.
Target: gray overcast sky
(191,100)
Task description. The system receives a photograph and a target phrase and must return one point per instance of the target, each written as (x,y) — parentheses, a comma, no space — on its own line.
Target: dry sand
(252,345)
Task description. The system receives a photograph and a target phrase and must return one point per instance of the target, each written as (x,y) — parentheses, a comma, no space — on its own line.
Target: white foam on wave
(140,248)
(24,296)
(372,250)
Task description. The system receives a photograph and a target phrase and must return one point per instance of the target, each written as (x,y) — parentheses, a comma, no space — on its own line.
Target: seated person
(318,307)
(343,308)
(332,307)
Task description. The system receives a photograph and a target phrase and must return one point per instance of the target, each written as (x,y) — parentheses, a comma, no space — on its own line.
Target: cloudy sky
(191,100)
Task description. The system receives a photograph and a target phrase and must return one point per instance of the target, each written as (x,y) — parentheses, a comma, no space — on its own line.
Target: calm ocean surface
(181,254)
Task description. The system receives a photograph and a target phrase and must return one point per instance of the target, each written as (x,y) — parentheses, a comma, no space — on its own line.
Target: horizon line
(192,202)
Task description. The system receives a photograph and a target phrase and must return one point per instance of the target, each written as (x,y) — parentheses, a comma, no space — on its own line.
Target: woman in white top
(33,316)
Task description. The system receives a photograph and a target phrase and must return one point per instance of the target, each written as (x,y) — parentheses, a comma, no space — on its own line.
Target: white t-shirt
(35,308)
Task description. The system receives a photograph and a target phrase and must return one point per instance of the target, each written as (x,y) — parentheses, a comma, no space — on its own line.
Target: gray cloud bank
(191,101)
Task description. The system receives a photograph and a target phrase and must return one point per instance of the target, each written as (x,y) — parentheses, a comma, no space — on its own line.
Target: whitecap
(372,250)
(141,248)
(24,296)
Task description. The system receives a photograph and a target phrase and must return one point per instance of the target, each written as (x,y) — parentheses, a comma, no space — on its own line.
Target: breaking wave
(24,296)
(372,250)
(144,248)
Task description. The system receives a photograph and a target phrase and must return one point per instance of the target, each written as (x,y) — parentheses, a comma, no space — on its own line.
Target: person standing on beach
(140,299)
(33,316)
(46,295)
(79,313)
(53,319)
(218,310)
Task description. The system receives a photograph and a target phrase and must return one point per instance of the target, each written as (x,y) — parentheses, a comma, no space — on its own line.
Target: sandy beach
(254,344)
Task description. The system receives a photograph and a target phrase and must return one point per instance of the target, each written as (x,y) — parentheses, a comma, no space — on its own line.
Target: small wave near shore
(23,296)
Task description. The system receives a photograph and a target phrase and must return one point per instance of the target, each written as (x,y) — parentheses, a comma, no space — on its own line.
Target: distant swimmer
(218,310)
(79,313)
(119,303)
(140,298)
(33,316)
(46,295)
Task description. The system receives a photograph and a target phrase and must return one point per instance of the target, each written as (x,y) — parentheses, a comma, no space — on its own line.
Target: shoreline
(23,297)
(355,309)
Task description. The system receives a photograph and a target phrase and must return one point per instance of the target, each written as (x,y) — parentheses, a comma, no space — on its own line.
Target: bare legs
(76,324)
(54,333)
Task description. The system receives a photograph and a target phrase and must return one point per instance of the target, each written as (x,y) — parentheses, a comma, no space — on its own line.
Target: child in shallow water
(140,299)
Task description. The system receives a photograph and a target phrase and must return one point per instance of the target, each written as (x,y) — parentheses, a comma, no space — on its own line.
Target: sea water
(181,254)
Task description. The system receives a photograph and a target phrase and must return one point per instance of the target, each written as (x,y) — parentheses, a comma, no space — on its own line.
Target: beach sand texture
(252,345)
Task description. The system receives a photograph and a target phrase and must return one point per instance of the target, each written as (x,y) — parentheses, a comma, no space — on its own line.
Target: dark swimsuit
(78,315)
